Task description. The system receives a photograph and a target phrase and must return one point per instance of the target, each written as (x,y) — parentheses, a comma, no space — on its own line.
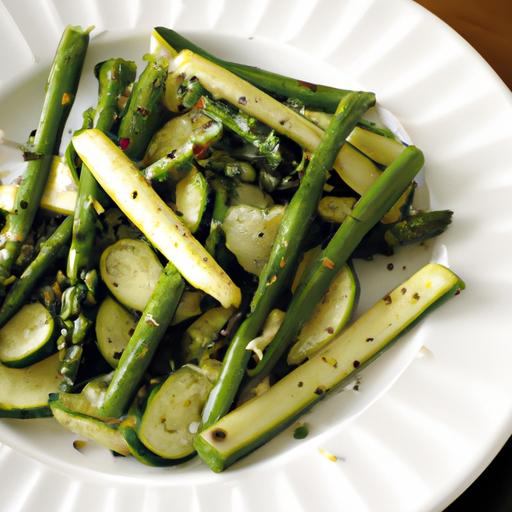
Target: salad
(180,282)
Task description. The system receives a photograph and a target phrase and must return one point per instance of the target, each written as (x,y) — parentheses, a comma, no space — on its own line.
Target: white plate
(424,439)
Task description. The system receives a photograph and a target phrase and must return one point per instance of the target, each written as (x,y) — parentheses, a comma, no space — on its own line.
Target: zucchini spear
(123,182)
(22,287)
(257,421)
(61,91)
(281,264)
(155,319)
(114,76)
(367,212)
(312,95)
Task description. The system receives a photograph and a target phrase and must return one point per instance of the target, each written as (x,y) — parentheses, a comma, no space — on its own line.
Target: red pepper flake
(282,263)
(387,300)
(356,364)
(124,142)
(200,151)
(200,103)
(307,85)
(66,99)
(328,263)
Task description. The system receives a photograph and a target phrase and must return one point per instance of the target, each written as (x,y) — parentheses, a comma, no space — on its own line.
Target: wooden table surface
(487,26)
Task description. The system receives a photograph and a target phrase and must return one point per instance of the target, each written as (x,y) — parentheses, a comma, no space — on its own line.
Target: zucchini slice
(24,392)
(114,328)
(188,307)
(173,413)
(191,198)
(250,234)
(106,434)
(130,269)
(257,421)
(335,209)
(250,195)
(27,337)
(202,334)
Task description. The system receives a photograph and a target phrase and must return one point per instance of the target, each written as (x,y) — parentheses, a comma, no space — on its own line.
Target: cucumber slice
(250,234)
(191,198)
(24,392)
(250,195)
(173,413)
(130,269)
(114,328)
(188,307)
(27,337)
(257,421)
(335,209)
(106,434)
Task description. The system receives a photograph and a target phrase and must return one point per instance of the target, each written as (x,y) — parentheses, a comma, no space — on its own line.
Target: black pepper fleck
(242,100)
(390,266)
(416,296)
(300,384)
(134,194)
(172,154)
(23,205)
(369,340)
(356,364)
(403,291)
(219,435)
(387,300)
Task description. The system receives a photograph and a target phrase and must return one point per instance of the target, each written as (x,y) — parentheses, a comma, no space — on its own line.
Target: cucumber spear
(281,264)
(61,90)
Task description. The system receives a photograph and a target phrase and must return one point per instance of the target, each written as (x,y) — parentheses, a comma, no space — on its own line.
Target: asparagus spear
(114,75)
(257,421)
(412,230)
(61,90)
(279,269)
(121,179)
(312,95)
(367,212)
(144,109)
(155,319)
(22,287)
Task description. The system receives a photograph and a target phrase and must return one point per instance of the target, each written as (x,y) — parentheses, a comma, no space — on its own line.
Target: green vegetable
(27,337)
(336,209)
(312,95)
(114,328)
(24,392)
(367,212)
(151,328)
(278,271)
(173,413)
(114,76)
(60,94)
(22,288)
(255,422)
(144,110)
(130,269)
(191,198)
(201,335)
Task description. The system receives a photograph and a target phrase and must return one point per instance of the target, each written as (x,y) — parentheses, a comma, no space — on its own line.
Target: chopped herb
(301,432)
